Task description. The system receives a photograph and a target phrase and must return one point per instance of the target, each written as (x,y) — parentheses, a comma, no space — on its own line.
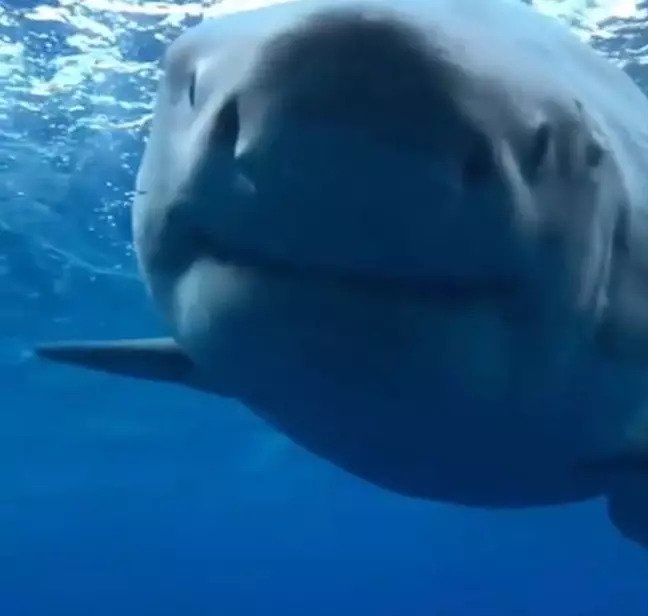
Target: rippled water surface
(119,497)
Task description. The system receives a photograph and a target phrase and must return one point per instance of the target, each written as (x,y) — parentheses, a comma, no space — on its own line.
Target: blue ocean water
(123,497)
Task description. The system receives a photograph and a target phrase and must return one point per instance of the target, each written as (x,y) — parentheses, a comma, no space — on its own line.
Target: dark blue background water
(120,497)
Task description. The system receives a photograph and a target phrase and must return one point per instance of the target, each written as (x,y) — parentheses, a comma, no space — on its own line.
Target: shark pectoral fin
(627,505)
(626,476)
(155,359)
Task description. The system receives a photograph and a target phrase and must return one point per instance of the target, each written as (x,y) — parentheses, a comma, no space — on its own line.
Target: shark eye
(192,90)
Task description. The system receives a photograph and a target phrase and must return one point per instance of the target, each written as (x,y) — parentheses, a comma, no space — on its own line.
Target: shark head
(412,238)
(351,181)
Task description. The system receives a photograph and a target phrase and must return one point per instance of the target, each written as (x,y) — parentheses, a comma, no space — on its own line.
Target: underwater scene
(324,307)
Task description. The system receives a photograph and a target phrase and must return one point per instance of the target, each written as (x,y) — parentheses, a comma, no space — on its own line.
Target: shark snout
(310,190)
(355,144)
(368,77)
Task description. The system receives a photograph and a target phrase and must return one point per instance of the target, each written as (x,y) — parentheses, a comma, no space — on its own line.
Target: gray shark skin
(412,238)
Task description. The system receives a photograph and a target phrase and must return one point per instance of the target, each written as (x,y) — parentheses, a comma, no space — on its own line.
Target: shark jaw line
(451,291)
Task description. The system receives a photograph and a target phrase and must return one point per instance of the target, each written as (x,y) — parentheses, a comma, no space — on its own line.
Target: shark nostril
(225,132)
(539,150)
(593,154)
(192,89)
(480,165)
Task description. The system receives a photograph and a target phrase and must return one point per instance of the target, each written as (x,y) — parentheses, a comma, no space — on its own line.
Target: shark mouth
(451,290)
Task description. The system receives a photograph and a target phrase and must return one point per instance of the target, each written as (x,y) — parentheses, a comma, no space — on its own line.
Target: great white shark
(413,237)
